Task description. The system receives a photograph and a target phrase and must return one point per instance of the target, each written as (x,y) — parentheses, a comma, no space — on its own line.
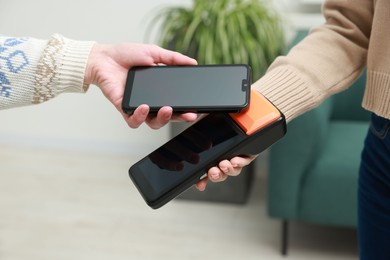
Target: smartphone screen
(177,160)
(207,88)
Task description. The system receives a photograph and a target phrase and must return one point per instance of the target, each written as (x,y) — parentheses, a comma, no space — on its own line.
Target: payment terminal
(181,162)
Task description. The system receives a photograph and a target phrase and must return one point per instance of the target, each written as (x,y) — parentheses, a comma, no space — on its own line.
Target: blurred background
(64,189)
(88,121)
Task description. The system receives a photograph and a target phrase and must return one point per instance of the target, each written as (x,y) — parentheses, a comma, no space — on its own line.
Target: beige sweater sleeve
(325,62)
(33,71)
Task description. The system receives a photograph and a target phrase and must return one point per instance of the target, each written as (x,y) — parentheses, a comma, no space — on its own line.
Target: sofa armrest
(292,157)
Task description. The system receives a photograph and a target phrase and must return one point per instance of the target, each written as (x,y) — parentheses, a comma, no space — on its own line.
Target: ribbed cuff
(72,65)
(377,95)
(288,91)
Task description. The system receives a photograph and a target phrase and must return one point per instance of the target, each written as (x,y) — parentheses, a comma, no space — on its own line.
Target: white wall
(88,121)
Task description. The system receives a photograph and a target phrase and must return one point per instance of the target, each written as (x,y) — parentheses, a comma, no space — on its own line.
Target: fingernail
(225,169)
(144,111)
(201,188)
(215,176)
(192,118)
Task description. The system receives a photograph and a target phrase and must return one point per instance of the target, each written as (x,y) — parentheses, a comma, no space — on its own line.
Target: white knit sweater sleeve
(33,71)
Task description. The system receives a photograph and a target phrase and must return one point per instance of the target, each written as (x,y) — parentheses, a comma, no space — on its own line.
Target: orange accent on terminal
(259,114)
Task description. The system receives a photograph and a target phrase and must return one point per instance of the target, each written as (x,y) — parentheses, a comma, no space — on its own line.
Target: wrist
(98,56)
(89,67)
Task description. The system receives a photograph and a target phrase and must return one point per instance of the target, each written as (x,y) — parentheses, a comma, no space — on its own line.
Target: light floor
(65,205)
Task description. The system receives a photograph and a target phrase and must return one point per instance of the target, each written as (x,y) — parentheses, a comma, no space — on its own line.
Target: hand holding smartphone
(199,89)
(184,160)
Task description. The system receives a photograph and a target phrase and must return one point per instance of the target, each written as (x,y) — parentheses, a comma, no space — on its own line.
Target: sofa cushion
(331,185)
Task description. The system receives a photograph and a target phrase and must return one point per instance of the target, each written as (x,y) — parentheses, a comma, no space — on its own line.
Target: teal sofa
(313,170)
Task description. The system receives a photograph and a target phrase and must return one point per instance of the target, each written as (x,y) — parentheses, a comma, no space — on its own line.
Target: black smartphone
(199,89)
(184,160)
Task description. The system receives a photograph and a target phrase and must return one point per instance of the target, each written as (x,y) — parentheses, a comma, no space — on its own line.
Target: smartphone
(185,159)
(199,89)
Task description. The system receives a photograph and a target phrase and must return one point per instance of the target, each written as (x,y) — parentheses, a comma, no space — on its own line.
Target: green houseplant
(224,32)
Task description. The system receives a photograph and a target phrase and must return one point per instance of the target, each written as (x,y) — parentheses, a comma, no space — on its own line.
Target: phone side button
(203,176)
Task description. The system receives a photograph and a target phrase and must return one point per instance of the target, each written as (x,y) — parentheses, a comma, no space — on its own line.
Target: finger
(235,165)
(216,175)
(164,114)
(240,162)
(168,57)
(201,185)
(227,168)
(138,117)
(185,117)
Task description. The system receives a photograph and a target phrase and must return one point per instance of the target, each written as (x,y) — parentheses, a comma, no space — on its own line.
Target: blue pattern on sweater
(12,61)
